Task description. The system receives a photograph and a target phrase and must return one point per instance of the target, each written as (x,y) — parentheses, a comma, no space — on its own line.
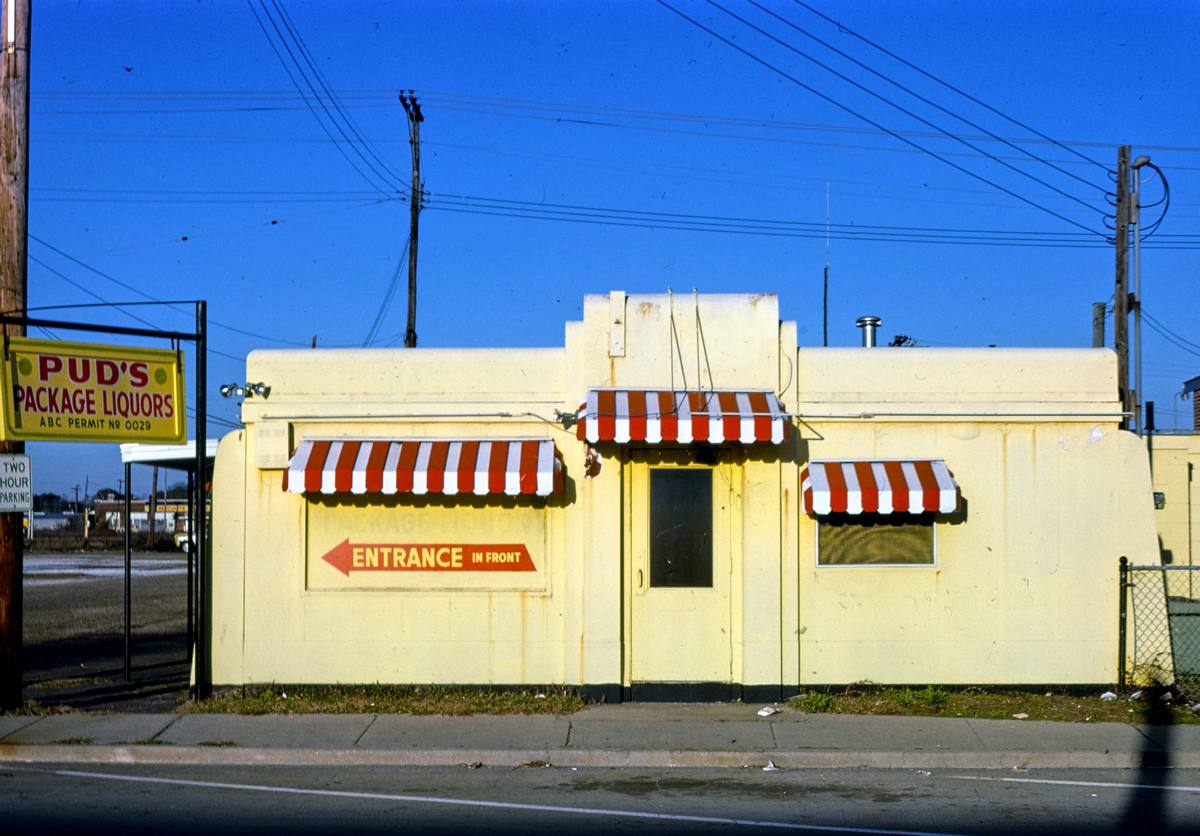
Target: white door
(680,561)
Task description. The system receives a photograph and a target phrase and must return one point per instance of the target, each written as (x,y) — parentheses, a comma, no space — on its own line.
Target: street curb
(646,759)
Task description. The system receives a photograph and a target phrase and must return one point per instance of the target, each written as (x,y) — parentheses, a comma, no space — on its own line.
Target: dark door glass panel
(681,517)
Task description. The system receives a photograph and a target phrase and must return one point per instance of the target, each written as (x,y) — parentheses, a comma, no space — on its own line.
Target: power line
(844,28)
(218,421)
(168,195)
(905,110)
(331,96)
(530,213)
(388,187)
(203,196)
(144,295)
(110,304)
(386,96)
(446,196)
(597,123)
(927,101)
(870,121)
(88,291)
(473,204)
(388,295)
(1166,330)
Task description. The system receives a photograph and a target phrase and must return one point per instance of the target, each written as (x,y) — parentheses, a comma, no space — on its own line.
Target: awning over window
(655,416)
(512,467)
(878,487)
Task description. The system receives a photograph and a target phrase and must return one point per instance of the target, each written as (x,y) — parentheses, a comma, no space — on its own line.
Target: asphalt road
(74,630)
(101,799)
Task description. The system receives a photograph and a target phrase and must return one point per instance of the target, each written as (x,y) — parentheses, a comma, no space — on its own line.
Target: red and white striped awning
(481,467)
(655,416)
(878,487)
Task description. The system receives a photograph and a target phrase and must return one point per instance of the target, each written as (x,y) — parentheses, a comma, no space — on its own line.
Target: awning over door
(480,467)
(878,487)
(655,416)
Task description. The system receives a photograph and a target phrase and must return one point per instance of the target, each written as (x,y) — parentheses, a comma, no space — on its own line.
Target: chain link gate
(1160,627)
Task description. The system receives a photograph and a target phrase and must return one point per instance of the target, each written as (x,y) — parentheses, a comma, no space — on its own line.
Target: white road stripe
(499,805)
(1064,783)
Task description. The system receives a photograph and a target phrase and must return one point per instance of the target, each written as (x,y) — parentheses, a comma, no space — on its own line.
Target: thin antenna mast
(825,282)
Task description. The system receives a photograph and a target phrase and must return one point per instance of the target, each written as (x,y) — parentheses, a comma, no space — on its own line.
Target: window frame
(933,564)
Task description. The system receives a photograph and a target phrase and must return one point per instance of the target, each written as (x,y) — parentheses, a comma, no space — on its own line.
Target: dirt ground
(74,634)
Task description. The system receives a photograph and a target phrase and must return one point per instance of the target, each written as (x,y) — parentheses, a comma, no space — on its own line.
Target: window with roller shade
(876,540)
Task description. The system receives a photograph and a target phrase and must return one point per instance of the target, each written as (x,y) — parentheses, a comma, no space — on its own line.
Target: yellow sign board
(63,391)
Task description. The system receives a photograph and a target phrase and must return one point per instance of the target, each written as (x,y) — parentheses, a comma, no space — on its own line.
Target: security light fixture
(246,390)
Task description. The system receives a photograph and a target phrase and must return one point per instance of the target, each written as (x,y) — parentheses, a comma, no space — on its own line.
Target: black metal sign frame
(199,649)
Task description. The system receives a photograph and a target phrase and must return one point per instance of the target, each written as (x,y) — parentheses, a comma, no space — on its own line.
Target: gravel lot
(73,630)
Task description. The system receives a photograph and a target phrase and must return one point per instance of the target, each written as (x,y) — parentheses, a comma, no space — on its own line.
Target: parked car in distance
(183,542)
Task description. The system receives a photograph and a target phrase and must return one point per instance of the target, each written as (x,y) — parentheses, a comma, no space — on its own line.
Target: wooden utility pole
(1121,295)
(416,194)
(14,231)
(1098,313)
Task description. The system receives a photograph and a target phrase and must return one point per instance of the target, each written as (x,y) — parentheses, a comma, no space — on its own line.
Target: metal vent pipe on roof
(868,324)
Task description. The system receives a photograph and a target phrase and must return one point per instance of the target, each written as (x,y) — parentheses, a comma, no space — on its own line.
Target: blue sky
(171,153)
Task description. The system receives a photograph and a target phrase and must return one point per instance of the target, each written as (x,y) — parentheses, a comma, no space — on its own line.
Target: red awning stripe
(654,416)
(878,487)
(479,467)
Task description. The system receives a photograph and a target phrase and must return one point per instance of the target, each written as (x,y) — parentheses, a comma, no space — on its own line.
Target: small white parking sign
(16,484)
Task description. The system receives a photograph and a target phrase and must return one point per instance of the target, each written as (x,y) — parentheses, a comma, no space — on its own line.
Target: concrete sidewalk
(626,735)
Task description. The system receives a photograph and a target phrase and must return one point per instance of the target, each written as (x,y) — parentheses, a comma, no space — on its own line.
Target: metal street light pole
(1135,209)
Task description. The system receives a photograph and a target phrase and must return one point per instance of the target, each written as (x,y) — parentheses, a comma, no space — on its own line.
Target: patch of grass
(66,682)
(33,708)
(815,703)
(218,743)
(74,741)
(980,703)
(385,699)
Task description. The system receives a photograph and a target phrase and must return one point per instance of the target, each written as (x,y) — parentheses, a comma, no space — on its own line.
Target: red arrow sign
(349,557)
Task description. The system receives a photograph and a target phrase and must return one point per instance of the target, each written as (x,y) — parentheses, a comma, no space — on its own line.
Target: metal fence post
(1121,621)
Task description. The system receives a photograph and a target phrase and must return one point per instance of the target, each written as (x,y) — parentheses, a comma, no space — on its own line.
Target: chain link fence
(1160,627)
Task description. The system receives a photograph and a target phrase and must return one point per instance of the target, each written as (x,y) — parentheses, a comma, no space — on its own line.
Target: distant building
(45,521)
(170,515)
(1192,387)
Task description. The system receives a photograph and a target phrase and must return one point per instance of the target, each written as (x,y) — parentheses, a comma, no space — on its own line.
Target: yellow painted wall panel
(1032,564)
(229,530)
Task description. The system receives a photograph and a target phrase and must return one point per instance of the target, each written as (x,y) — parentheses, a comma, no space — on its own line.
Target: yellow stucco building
(678,502)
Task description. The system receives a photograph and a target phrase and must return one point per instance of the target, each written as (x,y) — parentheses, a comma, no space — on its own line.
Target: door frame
(728,472)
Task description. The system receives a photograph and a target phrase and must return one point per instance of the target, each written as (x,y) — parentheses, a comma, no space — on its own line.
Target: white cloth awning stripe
(913,486)
(480,467)
(655,416)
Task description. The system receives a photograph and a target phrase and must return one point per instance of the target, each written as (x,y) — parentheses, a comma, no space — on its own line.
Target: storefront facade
(679,502)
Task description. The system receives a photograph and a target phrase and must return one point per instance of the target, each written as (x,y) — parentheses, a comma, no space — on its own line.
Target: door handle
(640,579)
